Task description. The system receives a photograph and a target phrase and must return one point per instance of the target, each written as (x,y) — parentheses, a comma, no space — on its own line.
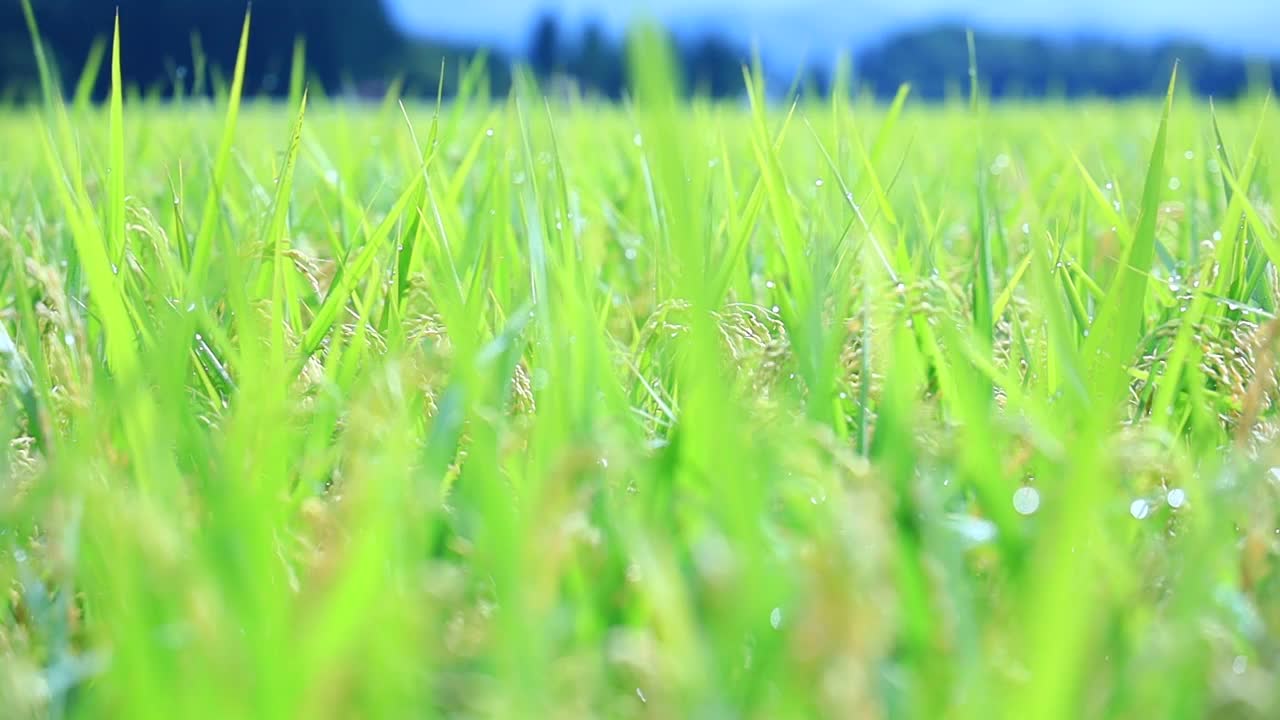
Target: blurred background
(1026,48)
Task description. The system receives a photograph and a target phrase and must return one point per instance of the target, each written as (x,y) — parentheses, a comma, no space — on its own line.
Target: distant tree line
(353,47)
(348,41)
(935,62)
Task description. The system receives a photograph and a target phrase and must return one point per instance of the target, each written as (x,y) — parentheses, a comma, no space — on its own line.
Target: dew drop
(770,284)
(775,618)
(1239,665)
(1139,509)
(630,253)
(818,182)
(489,132)
(1110,186)
(1217,235)
(775,309)
(1174,183)
(1189,155)
(1026,228)
(1026,500)
(1177,498)
(639,141)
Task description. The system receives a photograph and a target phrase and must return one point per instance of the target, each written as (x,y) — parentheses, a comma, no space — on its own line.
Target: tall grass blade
(115,200)
(202,253)
(1114,331)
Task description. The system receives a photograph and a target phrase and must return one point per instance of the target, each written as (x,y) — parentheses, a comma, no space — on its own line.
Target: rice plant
(668,408)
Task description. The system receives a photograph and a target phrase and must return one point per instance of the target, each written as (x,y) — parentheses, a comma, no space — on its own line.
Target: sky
(793,29)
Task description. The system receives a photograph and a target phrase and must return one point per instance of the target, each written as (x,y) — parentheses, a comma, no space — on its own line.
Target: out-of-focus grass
(671,409)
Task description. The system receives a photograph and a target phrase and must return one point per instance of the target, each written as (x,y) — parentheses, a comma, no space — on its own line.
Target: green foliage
(542,407)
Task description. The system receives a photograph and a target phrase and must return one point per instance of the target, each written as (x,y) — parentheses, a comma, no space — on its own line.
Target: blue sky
(794,28)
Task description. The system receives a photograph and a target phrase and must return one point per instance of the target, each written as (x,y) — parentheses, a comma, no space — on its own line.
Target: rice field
(550,408)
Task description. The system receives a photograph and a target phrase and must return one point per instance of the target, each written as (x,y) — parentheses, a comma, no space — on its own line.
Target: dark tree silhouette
(544,46)
(598,63)
(714,67)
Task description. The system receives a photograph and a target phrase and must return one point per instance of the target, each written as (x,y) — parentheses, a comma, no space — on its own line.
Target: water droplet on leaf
(1026,500)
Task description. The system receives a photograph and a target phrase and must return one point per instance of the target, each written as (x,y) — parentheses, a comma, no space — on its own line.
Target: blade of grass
(298,71)
(115,196)
(89,75)
(1116,327)
(202,253)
